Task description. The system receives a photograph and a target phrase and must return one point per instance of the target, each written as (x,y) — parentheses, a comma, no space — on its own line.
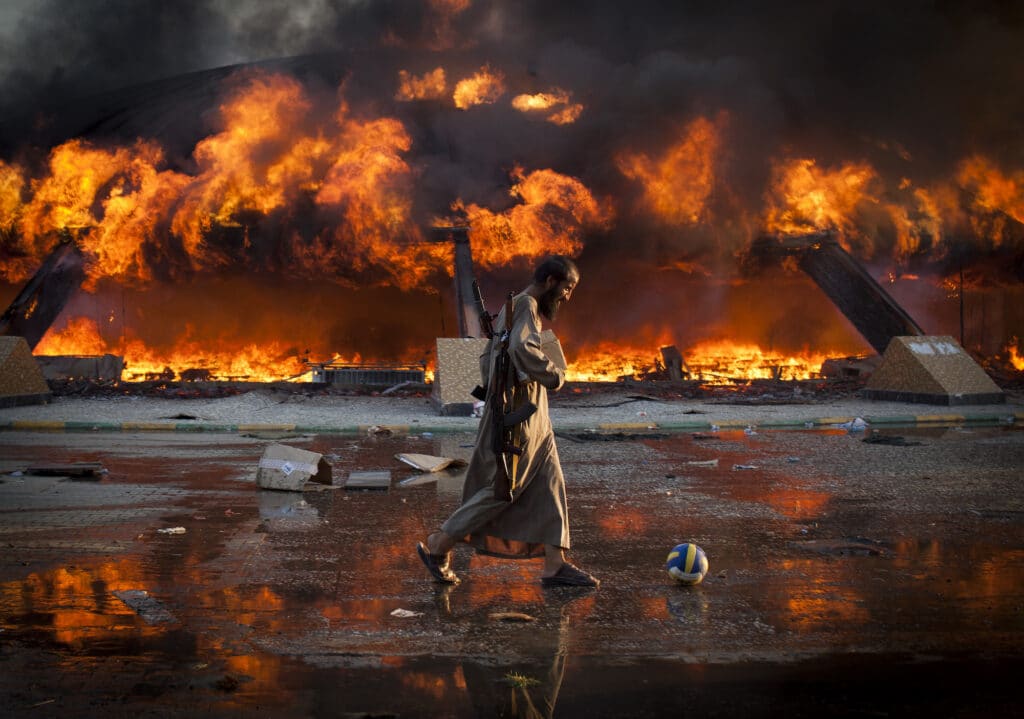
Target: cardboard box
(550,346)
(288,468)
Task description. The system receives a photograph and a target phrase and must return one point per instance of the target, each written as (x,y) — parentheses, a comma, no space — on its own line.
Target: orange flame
(255,163)
(429,86)
(12,183)
(1014,354)
(116,197)
(711,362)
(992,190)
(258,363)
(555,212)
(269,156)
(677,184)
(483,88)
(557,106)
(804,197)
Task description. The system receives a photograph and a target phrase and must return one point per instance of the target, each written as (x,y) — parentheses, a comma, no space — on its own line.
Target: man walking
(535,522)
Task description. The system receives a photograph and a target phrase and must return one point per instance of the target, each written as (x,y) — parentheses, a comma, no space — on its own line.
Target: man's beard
(548,303)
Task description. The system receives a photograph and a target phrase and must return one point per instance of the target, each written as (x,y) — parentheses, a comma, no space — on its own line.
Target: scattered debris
(73,469)
(429,463)
(418,479)
(393,388)
(405,614)
(703,463)
(520,681)
(289,468)
(227,683)
(377,430)
(744,466)
(792,460)
(894,440)
(171,530)
(511,617)
(596,436)
(854,425)
(150,609)
(373,479)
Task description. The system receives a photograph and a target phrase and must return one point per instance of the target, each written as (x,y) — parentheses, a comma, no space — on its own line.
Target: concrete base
(21,381)
(456,374)
(948,400)
(931,370)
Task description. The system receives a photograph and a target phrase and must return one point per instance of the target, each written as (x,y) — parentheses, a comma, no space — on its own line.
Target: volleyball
(687,563)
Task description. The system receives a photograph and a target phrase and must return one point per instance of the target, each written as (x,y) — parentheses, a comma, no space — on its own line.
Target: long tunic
(537,514)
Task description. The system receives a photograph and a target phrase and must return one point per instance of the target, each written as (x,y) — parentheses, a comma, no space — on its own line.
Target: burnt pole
(46,293)
(464,304)
(870,309)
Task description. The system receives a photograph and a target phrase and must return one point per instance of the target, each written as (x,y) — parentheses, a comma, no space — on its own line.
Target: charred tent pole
(469,325)
(854,291)
(46,293)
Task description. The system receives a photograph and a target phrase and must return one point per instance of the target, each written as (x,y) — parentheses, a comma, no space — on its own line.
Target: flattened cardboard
(288,468)
(428,462)
(371,479)
(550,346)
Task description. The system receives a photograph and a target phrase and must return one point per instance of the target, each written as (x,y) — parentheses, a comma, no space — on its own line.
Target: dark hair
(557,266)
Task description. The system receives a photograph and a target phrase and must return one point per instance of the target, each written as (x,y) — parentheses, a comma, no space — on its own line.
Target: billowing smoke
(691,127)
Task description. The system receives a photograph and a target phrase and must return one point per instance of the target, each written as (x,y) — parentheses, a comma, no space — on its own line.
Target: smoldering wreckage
(317,222)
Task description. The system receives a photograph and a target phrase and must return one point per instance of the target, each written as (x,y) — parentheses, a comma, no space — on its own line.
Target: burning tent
(248,220)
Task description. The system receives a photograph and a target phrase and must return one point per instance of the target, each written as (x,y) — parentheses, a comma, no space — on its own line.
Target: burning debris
(242,224)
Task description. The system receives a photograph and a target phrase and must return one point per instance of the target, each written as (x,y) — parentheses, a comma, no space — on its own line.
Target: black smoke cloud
(941,78)
(912,87)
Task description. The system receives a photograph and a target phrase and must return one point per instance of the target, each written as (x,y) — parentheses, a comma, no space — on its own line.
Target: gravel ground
(569,412)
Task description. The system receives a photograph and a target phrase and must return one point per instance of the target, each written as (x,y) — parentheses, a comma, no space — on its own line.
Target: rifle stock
(518,416)
(503,435)
(486,329)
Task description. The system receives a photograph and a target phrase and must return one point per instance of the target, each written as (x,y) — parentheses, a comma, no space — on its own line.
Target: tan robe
(537,515)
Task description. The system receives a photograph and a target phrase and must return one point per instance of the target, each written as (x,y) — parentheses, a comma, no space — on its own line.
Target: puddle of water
(271,593)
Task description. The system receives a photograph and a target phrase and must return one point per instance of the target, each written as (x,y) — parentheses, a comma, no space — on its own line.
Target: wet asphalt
(847,578)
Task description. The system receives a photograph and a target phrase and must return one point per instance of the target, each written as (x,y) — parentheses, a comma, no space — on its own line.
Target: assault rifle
(505,417)
(486,328)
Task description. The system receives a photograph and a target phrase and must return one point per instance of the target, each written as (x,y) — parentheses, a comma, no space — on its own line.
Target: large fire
(718,362)
(429,86)
(677,184)
(335,184)
(556,106)
(484,87)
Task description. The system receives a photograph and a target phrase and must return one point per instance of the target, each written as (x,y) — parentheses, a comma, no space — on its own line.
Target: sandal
(437,564)
(569,575)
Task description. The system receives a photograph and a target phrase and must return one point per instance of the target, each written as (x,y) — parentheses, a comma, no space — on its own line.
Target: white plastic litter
(405,613)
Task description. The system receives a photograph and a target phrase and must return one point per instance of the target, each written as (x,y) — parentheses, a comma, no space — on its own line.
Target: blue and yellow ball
(687,563)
